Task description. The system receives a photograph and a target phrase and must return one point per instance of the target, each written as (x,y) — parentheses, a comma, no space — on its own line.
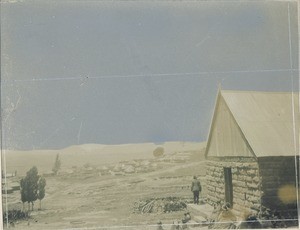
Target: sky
(116,72)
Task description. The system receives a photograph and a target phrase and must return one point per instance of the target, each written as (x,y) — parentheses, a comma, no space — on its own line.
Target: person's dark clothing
(196,189)
(196,197)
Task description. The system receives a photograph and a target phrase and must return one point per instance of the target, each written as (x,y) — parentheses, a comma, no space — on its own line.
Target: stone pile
(160,205)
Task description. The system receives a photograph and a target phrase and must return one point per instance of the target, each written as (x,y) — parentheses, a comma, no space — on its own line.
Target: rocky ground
(135,193)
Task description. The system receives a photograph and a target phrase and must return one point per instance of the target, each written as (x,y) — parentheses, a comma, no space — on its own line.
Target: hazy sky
(118,72)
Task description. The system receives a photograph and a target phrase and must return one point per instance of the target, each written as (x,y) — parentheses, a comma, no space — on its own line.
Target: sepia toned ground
(106,190)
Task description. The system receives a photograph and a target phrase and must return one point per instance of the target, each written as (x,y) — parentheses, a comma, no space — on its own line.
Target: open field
(104,186)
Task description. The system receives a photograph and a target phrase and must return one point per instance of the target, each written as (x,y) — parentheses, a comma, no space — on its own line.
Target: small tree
(57,164)
(23,190)
(33,178)
(41,190)
(29,187)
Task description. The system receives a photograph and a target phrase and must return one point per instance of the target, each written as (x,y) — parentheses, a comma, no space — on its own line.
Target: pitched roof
(268,120)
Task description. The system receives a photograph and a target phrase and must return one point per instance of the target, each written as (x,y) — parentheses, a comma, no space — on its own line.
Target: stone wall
(279,182)
(245,183)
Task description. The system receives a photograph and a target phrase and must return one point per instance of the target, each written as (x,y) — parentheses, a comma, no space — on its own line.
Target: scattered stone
(160,205)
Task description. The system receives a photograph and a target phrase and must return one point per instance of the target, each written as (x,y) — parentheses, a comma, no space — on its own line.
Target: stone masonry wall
(279,183)
(245,183)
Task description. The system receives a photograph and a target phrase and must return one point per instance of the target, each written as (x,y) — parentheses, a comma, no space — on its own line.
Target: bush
(13,215)
(158,152)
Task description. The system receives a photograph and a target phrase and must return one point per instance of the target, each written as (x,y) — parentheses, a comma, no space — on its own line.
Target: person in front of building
(196,189)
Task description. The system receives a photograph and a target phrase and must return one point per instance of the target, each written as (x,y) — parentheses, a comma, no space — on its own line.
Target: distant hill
(94,154)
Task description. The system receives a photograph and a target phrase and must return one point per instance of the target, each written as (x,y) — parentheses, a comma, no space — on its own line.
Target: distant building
(253,151)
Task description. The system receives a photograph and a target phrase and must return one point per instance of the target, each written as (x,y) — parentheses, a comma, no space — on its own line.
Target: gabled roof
(269,121)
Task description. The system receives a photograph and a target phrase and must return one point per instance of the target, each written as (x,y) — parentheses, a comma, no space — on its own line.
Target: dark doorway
(228,186)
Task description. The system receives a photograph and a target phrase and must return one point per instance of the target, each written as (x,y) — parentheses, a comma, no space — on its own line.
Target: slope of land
(79,155)
(117,186)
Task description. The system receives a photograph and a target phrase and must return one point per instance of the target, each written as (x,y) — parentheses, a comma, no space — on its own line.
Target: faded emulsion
(156,115)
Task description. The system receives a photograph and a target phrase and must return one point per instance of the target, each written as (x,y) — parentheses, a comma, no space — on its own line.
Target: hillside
(95,154)
(112,185)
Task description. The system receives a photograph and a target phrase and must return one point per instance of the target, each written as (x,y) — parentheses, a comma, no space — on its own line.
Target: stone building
(253,151)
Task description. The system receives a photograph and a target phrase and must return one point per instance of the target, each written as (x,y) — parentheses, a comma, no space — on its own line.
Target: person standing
(196,189)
